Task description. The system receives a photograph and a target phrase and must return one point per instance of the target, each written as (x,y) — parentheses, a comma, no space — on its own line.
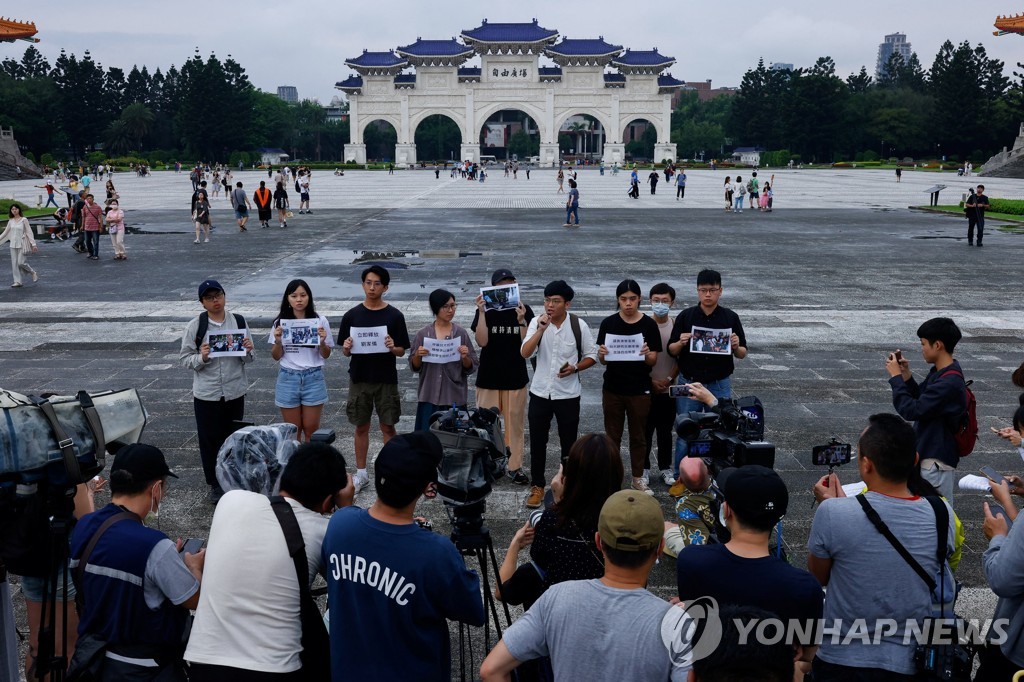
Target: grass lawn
(989,215)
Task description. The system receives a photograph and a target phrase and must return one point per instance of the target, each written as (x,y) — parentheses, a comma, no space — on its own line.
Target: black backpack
(204,324)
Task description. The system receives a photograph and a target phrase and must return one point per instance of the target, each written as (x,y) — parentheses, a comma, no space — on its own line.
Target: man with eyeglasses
(373,374)
(712,370)
(568,348)
(219,382)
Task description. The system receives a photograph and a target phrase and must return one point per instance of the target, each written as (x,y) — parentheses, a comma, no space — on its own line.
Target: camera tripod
(472,539)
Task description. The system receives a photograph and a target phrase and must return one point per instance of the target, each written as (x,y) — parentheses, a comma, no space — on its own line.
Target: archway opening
(510,134)
(438,138)
(581,139)
(640,136)
(380,138)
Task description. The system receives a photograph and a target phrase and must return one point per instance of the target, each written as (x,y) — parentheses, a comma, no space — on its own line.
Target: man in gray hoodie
(218,380)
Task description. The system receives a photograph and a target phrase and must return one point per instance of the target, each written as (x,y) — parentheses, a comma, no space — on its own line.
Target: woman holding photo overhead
(301,387)
(442,383)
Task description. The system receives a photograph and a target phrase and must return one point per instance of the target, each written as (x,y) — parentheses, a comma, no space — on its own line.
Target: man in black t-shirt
(373,376)
(626,392)
(975,207)
(713,370)
(743,571)
(501,378)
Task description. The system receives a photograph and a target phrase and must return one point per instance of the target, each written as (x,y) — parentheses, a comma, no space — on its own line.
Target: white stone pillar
(549,118)
(355,153)
(470,152)
(355,131)
(615,135)
(405,155)
(548,156)
(470,147)
(614,152)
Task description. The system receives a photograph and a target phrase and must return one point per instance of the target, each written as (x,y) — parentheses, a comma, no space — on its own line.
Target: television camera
(731,436)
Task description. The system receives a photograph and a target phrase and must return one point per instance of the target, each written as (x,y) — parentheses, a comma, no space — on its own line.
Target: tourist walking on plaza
(201,216)
(560,178)
(303,183)
(111,192)
(241,204)
(634,184)
(301,391)
(281,203)
(680,185)
(49,192)
(728,193)
(262,198)
(115,226)
(442,384)
(739,191)
(572,206)
(92,220)
(652,180)
(19,234)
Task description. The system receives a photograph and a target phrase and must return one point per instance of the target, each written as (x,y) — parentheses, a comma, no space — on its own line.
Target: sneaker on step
(535,498)
(360,481)
(641,485)
(667,477)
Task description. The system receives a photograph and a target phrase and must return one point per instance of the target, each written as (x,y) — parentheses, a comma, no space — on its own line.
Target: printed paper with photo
(228,344)
(500,298)
(711,341)
(300,333)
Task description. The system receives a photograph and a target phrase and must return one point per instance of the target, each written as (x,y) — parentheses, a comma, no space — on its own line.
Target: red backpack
(965,433)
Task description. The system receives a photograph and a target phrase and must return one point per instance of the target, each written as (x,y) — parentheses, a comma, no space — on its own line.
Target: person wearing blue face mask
(661,418)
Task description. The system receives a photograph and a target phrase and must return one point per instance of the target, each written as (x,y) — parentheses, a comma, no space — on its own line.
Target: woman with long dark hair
(442,384)
(301,350)
(561,538)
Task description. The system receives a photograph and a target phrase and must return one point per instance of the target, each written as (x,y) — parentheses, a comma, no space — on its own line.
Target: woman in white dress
(19,234)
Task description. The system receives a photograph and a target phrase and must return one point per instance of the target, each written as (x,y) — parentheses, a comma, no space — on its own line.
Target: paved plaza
(840,274)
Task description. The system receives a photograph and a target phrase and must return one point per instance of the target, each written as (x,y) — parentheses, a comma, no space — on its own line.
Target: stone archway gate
(510,76)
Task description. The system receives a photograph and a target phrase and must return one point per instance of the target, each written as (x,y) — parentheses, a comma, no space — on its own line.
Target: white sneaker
(667,477)
(360,482)
(641,485)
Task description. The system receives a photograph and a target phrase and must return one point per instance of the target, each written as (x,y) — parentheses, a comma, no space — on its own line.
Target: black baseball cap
(209,285)
(500,274)
(757,494)
(408,462)
(141,462)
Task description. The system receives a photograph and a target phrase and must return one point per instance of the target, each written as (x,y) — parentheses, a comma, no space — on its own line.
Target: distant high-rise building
(781,66)
(894,43)
(289,93)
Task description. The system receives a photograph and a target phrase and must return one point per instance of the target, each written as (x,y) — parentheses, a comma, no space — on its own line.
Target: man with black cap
(392,586)
(135,586)
(567,350)
(604,629)
(218,383)
(742,571)
(501,378)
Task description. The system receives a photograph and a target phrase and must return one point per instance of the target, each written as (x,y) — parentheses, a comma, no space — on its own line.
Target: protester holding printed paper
(444,368)
(372,372)
(628,344)
(301,391)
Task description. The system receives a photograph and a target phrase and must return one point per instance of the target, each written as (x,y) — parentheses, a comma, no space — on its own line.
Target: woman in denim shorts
(301,348)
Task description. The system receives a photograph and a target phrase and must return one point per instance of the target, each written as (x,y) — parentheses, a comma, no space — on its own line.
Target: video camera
(731,437)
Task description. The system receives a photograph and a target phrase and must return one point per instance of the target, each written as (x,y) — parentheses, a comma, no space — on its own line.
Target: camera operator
(742,571)
(712,370)
(868,580)
(563,624)
(695,516)
(135,586)
(245,621)
(392,586)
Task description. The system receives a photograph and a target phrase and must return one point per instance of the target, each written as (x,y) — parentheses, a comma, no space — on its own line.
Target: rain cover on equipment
(253,458)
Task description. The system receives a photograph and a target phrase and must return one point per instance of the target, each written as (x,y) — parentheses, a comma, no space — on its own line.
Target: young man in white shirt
(555,389)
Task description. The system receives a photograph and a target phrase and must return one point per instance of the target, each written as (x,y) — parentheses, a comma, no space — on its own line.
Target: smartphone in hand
(993,475)
(191,546)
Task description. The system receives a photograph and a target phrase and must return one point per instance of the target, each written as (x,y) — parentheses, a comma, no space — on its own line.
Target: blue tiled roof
(614,78)
(469,71)
(435,48)
(405,78)
(549,71)
(669,82)
(584,48)
(350,82)
(642,58)
(376,59)
(510,33)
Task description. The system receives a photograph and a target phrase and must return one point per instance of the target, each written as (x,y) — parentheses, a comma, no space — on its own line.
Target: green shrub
(47,160)
(122,162)
(5,207)
(95,157)
(869,155)
(1008,206)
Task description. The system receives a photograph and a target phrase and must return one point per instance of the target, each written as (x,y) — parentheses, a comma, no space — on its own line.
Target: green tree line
(205,110)
(963,107)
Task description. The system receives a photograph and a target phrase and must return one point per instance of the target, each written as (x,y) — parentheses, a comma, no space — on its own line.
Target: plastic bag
(253,458)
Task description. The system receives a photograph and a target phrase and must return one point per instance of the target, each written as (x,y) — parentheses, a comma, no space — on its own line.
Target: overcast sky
(306,43)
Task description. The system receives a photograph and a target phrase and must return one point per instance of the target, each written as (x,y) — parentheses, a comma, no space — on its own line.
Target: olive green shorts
(364,398)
